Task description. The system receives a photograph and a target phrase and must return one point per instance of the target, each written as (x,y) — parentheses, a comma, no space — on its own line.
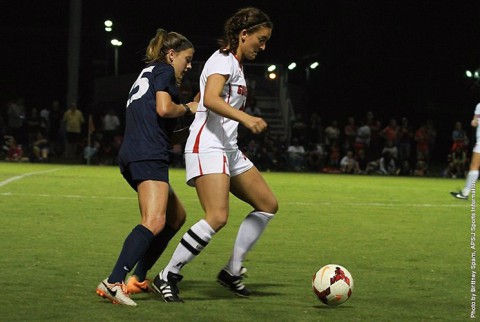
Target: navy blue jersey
(147,135)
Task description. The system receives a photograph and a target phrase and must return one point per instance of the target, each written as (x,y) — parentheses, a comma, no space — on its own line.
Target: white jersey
(210,132)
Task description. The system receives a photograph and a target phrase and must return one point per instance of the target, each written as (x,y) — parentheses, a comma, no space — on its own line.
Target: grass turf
(405,241)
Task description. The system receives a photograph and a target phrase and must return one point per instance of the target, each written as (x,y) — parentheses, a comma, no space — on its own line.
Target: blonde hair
(250,19)
(164,41)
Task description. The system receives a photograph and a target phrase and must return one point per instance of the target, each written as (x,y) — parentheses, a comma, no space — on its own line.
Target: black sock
(135,245)
(157,246)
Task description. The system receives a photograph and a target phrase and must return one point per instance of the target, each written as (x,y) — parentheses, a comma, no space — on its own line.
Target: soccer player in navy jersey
(152,108)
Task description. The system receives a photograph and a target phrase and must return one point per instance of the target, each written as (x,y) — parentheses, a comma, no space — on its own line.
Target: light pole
(116,43)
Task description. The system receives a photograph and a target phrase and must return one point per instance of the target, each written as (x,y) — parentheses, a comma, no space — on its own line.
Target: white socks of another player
(472,177)
(192,243)
(250,230)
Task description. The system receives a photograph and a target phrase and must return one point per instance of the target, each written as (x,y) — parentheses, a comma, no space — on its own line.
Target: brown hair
(164,41)
(250,19)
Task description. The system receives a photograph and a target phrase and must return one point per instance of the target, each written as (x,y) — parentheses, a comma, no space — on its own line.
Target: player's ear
(243,34)
(170,55)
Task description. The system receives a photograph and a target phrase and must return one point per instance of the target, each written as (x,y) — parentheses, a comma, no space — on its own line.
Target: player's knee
(271,206)
(216,222)
(155,226)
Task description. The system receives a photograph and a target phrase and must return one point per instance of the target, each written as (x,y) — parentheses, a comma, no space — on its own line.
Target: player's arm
(214,101)
(168,109)
(197,97)
(474,122)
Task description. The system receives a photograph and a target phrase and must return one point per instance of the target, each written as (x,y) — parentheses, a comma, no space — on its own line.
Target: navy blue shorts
(136,172)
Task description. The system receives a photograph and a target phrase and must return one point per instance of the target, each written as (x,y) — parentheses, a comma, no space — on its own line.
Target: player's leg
(472,175)
(212,187)
(152,198)
(212,190)
(175,218)
(252,188)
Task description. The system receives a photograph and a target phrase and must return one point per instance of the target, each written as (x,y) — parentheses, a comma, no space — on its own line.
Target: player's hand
(255,124)
(193,107)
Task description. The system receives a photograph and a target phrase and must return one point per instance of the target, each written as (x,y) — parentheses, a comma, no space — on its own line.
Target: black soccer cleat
(168,289)
(233,282)
(459,195)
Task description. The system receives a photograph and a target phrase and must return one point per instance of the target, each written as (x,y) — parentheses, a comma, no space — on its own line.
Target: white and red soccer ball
(333,284)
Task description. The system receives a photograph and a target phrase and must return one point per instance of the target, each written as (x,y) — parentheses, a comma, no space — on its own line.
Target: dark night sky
(393,57)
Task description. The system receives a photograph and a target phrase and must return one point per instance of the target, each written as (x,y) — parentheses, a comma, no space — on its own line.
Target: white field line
(7,181)
(360,204)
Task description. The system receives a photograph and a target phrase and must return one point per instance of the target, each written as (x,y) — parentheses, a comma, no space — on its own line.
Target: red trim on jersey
(224,164)
(200,165)
(197,139)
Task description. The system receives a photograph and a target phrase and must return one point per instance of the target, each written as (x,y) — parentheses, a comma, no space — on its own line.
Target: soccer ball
(333,284)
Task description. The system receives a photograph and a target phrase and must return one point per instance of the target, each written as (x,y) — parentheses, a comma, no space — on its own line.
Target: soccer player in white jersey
(215,165)
(472,175)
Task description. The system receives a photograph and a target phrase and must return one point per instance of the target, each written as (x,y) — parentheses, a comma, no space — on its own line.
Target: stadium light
(314,65)
(116,43)
(476,74)
(468,74)
(292,66)
(272,75)
(108,25)
(271,68)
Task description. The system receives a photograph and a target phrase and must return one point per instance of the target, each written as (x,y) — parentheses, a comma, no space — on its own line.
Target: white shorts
(476,148)
(230,163)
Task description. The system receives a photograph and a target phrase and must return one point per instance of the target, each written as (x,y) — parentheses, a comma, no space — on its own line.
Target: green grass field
(405,241)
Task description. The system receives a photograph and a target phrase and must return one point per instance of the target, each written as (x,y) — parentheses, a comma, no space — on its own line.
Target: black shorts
(136,172)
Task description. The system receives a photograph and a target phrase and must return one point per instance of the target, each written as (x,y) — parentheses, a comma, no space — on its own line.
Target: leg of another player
(472,175)
(175,218)
(252,188)
(213,193)
(152,199)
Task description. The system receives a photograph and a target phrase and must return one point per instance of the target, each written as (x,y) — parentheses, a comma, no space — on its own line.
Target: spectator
(405,169)
(375,146)
(350,133)
(362,161)
(392,149)
(316,156)
(16,120)
(296,155)
(362,139)
(73,120)
(332,134)
(422,140)
(15,150)
(459,136)
(387,164)
(405,138)
(390,132)
(299,127)
(40,148)
(34,123)
(457,163)
(110,124)
(348,164)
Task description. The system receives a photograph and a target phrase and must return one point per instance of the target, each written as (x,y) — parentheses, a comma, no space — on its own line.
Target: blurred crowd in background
(355,145)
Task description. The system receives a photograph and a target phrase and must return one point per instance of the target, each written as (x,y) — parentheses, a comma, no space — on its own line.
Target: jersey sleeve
(164,79)
(477,110)
(222,65)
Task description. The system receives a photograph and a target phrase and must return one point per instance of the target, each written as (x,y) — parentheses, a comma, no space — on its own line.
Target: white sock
(472,177)
(192,243)
(250,230)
